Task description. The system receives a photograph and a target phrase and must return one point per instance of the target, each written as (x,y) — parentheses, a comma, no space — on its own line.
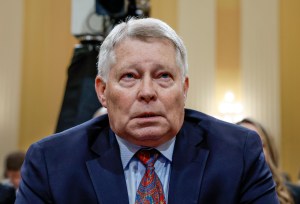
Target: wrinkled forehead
(146,39)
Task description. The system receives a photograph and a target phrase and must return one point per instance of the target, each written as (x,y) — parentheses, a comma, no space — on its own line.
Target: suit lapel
(189,160)
(106,171)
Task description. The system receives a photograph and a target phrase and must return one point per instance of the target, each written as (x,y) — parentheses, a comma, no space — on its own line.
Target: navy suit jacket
(213,163)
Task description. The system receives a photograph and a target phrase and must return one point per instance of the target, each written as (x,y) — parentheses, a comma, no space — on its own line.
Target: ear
(100,87)
(185,87)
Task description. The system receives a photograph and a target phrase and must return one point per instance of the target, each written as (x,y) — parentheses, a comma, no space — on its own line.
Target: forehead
(135,49)
(132,41)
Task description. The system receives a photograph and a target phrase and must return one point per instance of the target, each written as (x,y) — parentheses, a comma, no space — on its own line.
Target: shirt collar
(127,149)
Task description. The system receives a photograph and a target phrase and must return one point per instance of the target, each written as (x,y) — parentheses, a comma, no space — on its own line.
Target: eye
(165,79)
(165,76)
(128,76)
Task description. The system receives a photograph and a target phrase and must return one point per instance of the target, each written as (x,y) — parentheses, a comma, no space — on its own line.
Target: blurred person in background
(287,192)
(12,177)
(12,172)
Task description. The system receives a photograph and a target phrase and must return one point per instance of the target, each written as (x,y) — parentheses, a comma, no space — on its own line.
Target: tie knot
(147,156)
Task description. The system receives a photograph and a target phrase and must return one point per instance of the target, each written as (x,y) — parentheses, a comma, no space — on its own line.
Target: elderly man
(148,148)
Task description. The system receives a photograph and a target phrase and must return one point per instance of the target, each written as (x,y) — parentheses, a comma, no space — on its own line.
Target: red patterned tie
(150,190)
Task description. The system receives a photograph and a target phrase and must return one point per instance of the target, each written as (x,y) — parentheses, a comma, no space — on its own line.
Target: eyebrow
(138,66)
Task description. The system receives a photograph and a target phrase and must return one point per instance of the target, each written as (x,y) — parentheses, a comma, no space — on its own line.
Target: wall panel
(11,22)
(290,76)
(196,26)
(47,51)
(260,63)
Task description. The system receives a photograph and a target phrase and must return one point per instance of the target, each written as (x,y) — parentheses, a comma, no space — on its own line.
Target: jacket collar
(189,161)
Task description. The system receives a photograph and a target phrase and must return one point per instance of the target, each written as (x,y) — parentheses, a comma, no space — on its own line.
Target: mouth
(147,115)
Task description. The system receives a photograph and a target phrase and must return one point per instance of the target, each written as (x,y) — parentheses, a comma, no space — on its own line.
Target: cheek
(112,95)
(118,99)
(174,105)
(175,99)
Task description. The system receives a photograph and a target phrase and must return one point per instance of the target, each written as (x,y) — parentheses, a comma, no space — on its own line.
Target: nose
(147,91)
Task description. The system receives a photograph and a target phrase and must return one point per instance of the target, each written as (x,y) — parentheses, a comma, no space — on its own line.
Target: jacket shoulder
(85,131)
(211,124)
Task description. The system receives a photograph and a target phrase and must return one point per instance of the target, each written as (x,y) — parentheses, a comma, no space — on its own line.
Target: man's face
(144,94)
(14,176)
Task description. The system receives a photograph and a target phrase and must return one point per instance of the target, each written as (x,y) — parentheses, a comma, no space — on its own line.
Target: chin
(151,140)
(148,143)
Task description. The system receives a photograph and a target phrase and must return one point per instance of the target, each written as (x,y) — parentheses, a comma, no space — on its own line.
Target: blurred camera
(97,17)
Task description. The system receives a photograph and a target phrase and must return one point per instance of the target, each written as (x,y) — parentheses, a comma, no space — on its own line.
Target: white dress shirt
(134,170)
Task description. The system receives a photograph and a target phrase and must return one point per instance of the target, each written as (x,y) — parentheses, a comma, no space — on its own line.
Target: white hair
(139,28)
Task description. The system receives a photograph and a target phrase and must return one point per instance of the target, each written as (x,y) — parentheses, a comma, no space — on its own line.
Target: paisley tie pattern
(150,190)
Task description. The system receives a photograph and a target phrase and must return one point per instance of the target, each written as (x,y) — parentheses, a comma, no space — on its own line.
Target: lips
(147,115)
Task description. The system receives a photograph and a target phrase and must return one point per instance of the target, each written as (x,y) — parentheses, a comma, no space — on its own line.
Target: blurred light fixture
(230,110)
